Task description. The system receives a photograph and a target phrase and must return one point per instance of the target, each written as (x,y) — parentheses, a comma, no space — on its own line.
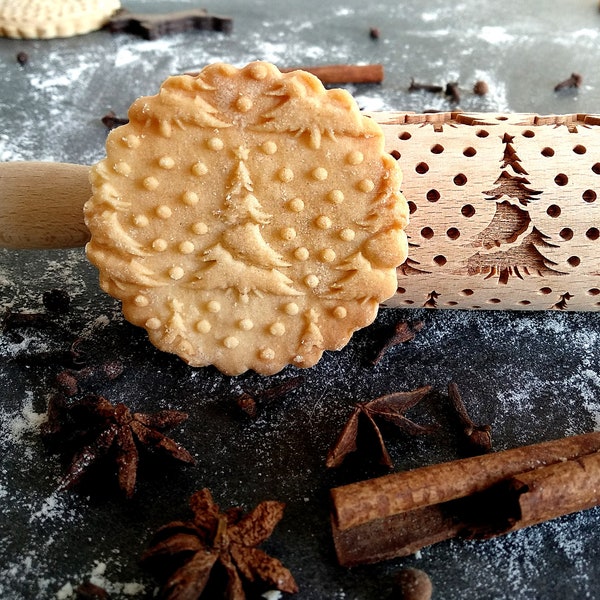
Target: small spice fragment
(481,88)
(390,408)
(90,591)
(402,332)
(22,58)
(426,87)
(479,437)
(15,320)
(56,301)
(574,81)
(248,402)
(374,33)
(412,584)
(452,92)
(100,429)
(212,538)
(69,380)
(111,121)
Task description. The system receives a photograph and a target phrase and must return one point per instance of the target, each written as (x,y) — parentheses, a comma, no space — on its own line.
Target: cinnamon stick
(371,73)
(476,497)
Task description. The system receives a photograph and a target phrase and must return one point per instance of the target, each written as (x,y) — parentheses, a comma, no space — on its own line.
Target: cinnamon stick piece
(478,497)
(372,73)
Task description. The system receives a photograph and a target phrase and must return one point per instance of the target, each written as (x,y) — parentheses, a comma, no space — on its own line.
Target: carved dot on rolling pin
(160,245)
(288,233)
(327,255)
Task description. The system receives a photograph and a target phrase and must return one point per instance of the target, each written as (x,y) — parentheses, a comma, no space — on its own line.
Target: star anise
(96,429)
(390,408)
(214,539)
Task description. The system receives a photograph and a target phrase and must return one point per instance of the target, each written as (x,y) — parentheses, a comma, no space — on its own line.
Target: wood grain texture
(41,205)
(504,209)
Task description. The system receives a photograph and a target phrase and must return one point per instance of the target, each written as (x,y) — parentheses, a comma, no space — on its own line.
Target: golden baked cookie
(53,18)
(247,218)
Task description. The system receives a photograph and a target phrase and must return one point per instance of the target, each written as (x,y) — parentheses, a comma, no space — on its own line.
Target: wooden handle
(41,205)
(504,209)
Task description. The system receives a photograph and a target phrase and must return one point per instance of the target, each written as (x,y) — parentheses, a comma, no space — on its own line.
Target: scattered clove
(248,402)
(111,121)
(478,437)
(452,92)
(574,81)
(15,320)
(22,58)
(425,87)
(374,33)
(90,591)
(402,332)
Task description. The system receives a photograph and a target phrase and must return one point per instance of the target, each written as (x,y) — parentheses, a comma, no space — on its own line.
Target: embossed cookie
(53,18)
(247,218)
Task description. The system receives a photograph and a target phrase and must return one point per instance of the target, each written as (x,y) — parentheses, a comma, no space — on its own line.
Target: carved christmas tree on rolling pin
(510,246)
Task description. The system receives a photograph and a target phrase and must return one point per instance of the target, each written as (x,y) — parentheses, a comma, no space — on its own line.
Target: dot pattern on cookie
(257,224)
(33,19)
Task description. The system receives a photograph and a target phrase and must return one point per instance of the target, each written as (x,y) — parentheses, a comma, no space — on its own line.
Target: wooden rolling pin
(504,209)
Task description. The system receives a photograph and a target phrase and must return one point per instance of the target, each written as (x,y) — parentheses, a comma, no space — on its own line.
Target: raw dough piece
(53,18)
(247,218)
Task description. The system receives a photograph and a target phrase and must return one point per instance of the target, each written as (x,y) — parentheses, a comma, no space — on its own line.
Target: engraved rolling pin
(504,209)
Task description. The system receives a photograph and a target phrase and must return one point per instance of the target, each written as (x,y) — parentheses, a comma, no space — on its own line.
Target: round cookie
(247,219)
(53,18)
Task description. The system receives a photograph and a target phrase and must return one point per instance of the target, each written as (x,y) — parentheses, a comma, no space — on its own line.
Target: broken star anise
(97,429)
(390,408)
(214,539)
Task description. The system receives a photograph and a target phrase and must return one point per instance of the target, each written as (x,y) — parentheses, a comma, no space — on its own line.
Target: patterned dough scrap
(46,19)
(247,218)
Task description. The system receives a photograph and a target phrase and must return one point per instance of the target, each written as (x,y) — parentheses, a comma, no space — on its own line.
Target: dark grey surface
(533,376)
